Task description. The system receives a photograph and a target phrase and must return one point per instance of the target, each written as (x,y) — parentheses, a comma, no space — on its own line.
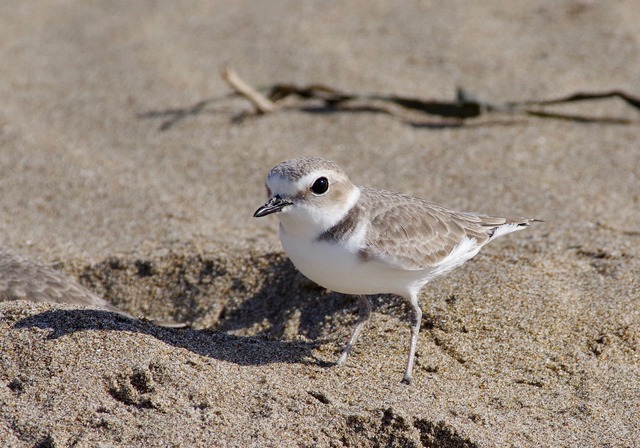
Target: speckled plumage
(22,279)
(294,169)
(417,234)
(359,240)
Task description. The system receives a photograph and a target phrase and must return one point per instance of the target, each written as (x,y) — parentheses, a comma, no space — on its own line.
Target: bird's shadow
(284,306)
(242,350)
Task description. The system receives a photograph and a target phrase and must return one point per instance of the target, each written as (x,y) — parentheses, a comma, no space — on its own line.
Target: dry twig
(262,104)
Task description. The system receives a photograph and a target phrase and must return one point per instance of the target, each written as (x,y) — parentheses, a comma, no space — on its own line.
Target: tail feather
(511,225)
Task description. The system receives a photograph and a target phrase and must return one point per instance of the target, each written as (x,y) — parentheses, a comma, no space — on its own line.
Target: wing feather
(415,234)
(22,279)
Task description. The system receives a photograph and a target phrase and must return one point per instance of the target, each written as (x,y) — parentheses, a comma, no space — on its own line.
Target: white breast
(339,268)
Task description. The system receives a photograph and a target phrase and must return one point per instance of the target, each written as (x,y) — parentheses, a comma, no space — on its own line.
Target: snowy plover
(23,279)
(357,240)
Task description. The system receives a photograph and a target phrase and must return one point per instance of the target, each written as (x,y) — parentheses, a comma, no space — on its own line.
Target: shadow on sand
(285,305)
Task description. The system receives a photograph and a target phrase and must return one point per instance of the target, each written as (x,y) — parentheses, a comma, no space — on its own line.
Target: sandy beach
(127,165)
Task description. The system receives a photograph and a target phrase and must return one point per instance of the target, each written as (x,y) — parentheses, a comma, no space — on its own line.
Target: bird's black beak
(273,205)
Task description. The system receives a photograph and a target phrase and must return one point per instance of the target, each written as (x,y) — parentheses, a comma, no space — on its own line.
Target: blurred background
(116,128)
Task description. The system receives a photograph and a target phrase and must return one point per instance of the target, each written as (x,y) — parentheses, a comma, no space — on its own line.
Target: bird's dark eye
(320,186)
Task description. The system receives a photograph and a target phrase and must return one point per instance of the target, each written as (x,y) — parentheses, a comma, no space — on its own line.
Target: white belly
(339,269)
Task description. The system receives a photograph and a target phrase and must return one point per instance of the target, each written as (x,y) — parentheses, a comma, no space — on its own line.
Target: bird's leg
(364,312)
(416,318)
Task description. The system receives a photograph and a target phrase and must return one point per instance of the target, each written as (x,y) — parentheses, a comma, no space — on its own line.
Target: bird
(25,279)
(363,241)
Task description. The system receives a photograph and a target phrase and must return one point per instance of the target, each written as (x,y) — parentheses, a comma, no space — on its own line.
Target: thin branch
(262,104)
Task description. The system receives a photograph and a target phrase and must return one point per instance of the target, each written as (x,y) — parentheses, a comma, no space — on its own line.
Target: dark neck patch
(343,228)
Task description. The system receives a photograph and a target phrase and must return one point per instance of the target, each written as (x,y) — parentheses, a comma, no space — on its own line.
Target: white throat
(307,220)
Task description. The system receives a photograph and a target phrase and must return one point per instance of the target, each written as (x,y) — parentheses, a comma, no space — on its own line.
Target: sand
(123,164)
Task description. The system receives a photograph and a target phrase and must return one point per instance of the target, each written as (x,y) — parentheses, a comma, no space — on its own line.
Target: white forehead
(287,186)
(295,175)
